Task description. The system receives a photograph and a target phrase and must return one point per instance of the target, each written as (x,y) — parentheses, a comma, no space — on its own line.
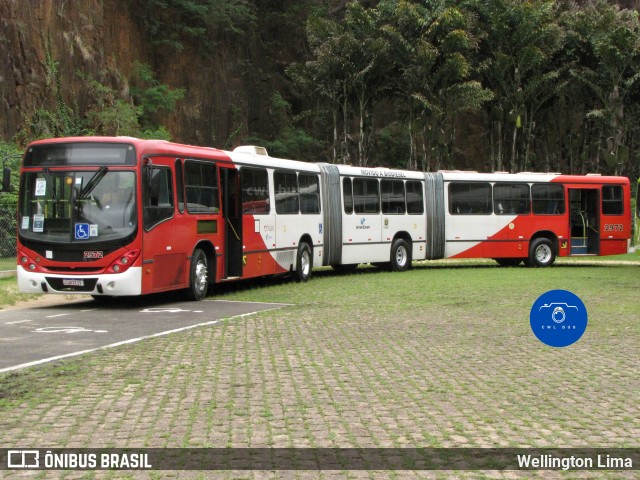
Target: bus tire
(304,262)
(198,275)
(541,253)
(400,255)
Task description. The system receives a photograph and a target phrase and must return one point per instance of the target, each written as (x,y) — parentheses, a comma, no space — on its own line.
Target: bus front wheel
(400,255)
(541,253)
(304,262)
(198,275)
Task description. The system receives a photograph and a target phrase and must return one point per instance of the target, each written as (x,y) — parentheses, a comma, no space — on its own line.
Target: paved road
(31,336)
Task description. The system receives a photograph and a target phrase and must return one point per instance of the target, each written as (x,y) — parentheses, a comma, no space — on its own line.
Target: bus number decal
(613,227)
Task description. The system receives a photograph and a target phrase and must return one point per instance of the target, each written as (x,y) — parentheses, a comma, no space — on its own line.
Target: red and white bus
(111,216)
(535,217)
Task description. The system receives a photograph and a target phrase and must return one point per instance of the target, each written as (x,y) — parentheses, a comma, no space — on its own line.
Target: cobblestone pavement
(324,374)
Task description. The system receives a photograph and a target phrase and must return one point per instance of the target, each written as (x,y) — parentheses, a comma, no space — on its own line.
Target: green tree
(322,78)
(434,43)
(604,46)
(518,48)
(349,66)
(170,23)
(112,113)
(151,96)
(9,200)
(290,140)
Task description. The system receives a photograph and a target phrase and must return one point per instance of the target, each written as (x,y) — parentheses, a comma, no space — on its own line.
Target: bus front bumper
(118,284)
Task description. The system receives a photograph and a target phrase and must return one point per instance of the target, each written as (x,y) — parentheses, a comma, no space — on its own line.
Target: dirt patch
(45,301)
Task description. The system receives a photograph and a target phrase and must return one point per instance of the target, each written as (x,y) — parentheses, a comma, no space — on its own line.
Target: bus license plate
(72,283)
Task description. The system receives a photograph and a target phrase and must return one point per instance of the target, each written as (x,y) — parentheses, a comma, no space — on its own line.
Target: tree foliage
(549,85)
(171,23)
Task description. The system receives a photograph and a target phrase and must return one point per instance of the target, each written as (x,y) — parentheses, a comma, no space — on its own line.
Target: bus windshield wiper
(93,182)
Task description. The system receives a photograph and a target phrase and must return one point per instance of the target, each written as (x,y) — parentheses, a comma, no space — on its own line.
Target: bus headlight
(27,263)
(124,262)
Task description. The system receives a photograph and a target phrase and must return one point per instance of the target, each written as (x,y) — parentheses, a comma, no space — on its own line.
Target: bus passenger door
(584,218)
(163,252)
(232,214)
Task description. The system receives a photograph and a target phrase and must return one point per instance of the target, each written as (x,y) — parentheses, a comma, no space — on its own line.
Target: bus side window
(158,197)
(366,195)
(393,198)
(511,199)
(285,185)
(347,195)
(415,203)
(202,187)
(470,199)
(612,203)
(547,199)
(309,193)
(255,191)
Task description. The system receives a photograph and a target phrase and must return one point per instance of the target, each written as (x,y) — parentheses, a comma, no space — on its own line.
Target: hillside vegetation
(488,85)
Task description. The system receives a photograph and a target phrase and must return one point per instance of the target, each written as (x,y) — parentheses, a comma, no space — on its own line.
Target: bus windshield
(77,206)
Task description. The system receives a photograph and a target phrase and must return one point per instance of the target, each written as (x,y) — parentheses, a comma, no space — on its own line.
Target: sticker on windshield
(41,187)
(558,318)
(38,223)
(82,231)
(25,223)
(93,230)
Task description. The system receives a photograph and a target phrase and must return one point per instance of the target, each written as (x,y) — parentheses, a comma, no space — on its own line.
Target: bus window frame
(146,200)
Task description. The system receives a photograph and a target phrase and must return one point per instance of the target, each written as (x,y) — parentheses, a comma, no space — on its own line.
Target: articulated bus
(115,216)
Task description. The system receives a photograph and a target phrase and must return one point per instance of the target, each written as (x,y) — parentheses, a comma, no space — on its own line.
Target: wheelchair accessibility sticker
(82,231)
(558,318)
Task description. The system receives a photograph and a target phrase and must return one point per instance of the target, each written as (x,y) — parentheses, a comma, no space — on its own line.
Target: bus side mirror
(6,179)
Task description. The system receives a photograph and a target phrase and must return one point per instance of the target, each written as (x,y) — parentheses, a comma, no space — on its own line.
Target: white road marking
(58,315)
(126,342)
(17,322)
(67,330)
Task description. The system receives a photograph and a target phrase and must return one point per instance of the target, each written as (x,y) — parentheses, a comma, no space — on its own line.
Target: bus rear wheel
(541,253)
(400,255)
(198,276)
(304,263)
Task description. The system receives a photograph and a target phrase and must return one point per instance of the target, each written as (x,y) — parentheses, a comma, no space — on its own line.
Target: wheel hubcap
(305,263)
(201,276)
(543,254)
(401,256)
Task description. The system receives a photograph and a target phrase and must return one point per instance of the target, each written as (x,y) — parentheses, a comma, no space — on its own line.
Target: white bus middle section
(368,237)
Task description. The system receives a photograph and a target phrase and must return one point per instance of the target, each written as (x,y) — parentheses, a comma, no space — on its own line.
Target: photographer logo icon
(558,318)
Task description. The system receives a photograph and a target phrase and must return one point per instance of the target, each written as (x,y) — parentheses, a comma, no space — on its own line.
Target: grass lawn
(7,264)
(440,356)
(9,292)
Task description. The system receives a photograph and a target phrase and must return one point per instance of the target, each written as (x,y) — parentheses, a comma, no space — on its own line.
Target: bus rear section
(535,217)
